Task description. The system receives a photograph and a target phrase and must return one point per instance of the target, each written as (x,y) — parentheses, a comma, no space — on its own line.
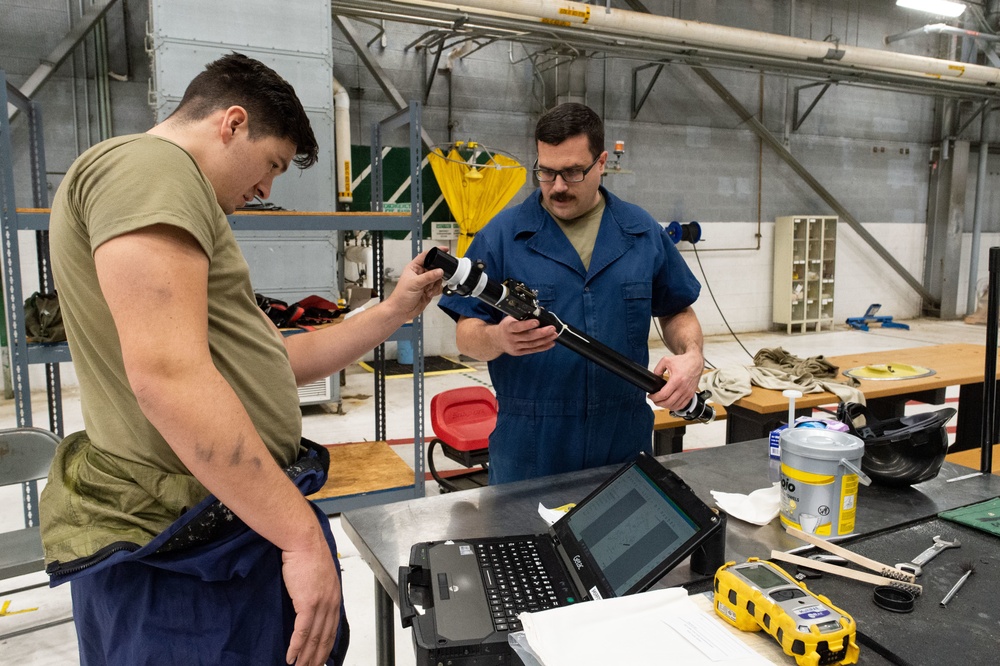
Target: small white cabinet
(805,252)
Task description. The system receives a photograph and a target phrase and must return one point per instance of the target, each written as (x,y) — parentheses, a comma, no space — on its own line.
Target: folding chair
(462,420)
(25,456)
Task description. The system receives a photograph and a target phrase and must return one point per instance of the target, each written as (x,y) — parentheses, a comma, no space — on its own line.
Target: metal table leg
(969,423)
(667,441)
(385,640)
(743,424)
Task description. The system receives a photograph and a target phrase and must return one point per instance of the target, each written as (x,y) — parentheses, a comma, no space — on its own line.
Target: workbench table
(384,534)
(755,415)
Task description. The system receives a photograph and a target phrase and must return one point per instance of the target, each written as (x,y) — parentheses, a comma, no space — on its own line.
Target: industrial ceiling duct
(609,21)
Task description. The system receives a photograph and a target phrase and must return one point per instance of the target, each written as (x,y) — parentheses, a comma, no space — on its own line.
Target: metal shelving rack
(22,355)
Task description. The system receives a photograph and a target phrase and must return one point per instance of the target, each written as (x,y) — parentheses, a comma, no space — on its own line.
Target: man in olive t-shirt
(187,390)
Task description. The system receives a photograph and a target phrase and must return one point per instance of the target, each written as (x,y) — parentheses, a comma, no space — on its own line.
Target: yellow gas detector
(759,595)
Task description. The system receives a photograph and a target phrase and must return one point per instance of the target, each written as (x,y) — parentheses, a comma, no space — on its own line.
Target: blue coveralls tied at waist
(244,614)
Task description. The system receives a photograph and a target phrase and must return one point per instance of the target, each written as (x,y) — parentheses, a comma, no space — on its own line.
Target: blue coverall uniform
(558,411)
(220,623)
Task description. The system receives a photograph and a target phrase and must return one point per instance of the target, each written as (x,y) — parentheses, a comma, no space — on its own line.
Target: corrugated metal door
(292,37)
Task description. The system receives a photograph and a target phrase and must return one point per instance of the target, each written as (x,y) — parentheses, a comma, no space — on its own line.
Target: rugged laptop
(621,539)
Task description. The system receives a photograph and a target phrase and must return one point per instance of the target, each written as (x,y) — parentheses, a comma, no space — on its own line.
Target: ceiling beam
(51,62)
(390,90)
(779,148)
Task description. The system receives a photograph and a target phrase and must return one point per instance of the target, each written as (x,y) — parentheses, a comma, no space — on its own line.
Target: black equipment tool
(468,278)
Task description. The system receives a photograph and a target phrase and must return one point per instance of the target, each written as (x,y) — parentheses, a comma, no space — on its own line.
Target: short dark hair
(271,102)
(571,119)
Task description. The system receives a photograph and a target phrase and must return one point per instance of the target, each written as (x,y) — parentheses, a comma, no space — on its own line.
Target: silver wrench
(928,555)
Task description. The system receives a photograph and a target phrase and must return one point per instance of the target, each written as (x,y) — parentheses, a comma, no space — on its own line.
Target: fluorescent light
(937,7)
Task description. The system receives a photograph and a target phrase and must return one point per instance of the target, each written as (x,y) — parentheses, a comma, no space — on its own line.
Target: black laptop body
(621,539)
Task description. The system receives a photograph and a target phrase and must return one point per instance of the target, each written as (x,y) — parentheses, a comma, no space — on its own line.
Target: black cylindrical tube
(493,292)
(474,283)
(578,341)
(989,432)
(602,355)
(437,259)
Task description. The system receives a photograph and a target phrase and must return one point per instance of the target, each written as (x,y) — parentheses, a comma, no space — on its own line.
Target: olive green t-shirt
(582,231)
(121,481)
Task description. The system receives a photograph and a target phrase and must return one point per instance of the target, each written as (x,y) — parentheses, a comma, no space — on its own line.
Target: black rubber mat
(432,365)
(964,632)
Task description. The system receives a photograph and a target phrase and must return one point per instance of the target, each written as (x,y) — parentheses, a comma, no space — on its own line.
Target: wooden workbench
(756,414)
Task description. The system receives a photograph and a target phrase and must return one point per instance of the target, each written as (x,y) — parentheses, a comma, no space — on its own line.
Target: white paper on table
(709,637)
(550,516)
(634,630)
(759,507)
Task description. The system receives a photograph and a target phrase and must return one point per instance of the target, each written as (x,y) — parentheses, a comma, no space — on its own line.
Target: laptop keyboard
(516,581)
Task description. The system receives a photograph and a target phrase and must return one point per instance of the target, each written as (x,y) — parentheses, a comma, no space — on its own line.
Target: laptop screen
(629,528)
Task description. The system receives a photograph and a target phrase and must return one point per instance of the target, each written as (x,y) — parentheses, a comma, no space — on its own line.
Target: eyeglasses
(574,175)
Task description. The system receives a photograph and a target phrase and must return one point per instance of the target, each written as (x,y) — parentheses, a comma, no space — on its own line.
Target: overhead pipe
(693,33)
(363,53)
(342,141)
(942,29)
(527,30)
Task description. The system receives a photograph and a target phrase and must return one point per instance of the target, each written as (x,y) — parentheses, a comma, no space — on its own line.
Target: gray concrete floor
(56,645)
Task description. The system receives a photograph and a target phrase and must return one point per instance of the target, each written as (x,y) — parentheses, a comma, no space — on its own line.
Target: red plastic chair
(462,420)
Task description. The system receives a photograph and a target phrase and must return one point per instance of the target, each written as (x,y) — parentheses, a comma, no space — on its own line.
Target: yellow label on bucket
(848,503)
(806,477)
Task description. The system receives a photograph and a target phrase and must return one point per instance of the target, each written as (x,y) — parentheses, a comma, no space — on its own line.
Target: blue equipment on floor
(861,323)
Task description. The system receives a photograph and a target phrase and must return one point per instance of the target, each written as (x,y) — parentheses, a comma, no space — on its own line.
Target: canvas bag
(43,319)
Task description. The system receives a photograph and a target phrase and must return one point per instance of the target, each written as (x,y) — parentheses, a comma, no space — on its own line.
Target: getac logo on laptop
(577,562)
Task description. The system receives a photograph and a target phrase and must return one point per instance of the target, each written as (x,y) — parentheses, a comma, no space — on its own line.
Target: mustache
(561,197)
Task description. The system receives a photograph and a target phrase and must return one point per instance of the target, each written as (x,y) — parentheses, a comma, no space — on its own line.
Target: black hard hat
(901,451)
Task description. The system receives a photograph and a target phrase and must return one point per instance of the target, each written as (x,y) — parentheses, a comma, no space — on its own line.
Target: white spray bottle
(774,441)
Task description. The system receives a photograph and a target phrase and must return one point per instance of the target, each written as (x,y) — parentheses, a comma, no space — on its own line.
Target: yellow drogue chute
(475,191)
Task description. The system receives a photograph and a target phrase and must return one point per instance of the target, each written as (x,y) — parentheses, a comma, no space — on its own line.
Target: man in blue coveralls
(601,265)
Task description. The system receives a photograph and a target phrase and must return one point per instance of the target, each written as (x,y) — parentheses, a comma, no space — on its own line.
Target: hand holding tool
(464,277)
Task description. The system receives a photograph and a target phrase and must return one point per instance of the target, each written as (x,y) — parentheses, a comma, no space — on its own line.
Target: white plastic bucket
(820,473)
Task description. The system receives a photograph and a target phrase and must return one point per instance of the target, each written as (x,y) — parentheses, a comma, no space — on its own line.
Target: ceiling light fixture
(937,7)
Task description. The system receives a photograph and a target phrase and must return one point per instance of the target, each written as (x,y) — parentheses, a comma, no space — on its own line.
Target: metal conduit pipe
(977,223)
(693,33)
(526,30)
(342,141)
(942,29)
